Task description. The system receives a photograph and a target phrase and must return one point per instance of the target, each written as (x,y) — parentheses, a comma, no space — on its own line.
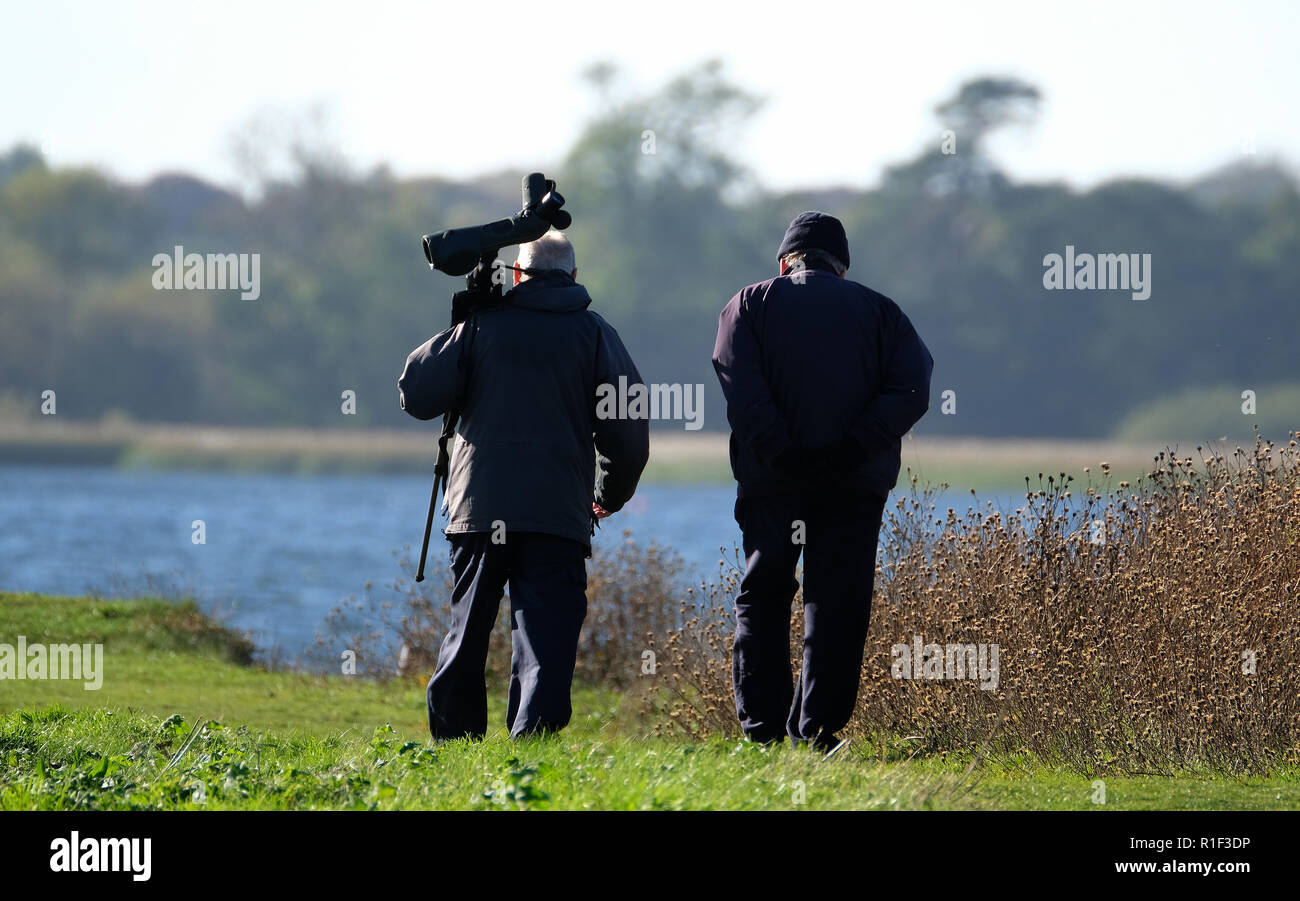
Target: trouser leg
(839,574)
(760,673)
(457,693)
(548,602)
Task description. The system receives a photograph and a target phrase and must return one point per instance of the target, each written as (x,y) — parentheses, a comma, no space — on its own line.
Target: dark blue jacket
(807,364)
(530,451)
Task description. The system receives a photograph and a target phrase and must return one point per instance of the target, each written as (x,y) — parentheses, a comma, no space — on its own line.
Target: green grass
(184,721)
(164,657)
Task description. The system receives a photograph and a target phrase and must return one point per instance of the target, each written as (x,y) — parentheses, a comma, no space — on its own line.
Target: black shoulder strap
(471,326)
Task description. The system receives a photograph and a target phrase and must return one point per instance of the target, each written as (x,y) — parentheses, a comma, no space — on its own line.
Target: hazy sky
(1158,89)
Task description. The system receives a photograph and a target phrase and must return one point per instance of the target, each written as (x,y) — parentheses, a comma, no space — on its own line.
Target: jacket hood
(552,291)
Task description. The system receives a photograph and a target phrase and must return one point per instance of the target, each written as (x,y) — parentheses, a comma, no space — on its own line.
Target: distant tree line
(667,226)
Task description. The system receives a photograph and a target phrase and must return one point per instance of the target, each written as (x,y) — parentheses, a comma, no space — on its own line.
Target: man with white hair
(552,252)
(524,374)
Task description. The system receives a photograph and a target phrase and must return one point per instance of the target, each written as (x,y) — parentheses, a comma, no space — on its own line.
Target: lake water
(281,551)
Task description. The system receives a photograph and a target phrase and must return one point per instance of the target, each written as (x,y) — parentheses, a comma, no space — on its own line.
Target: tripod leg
(439,478)
(428,528)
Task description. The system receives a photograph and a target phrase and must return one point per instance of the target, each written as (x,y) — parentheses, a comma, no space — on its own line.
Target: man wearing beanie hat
(823,377)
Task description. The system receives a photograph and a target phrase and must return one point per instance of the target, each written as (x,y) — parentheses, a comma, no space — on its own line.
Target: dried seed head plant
(1143,628)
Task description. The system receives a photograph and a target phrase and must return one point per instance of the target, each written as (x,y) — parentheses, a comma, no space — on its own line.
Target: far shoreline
(985,464)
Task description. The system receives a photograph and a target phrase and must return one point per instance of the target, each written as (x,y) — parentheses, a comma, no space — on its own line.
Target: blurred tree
(667,226)
(985,104)
(18,160)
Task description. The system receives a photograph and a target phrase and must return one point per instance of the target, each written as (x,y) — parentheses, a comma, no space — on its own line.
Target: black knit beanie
(813,230)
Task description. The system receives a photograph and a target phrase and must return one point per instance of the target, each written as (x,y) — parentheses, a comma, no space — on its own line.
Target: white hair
(813,256)
(551,251)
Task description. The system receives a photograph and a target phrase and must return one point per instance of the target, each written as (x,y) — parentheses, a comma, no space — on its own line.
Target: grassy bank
(183,720)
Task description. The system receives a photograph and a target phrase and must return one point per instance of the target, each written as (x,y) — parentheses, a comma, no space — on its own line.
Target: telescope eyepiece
(549,208)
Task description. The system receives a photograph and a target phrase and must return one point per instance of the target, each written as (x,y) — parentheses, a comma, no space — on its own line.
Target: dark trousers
(839,566)
(547,575)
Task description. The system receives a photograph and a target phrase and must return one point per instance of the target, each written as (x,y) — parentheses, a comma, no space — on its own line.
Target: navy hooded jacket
(808,359)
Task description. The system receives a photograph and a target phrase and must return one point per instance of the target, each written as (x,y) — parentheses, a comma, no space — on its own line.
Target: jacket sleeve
(737,360)
(905,390)
(622,445)
(435,375)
